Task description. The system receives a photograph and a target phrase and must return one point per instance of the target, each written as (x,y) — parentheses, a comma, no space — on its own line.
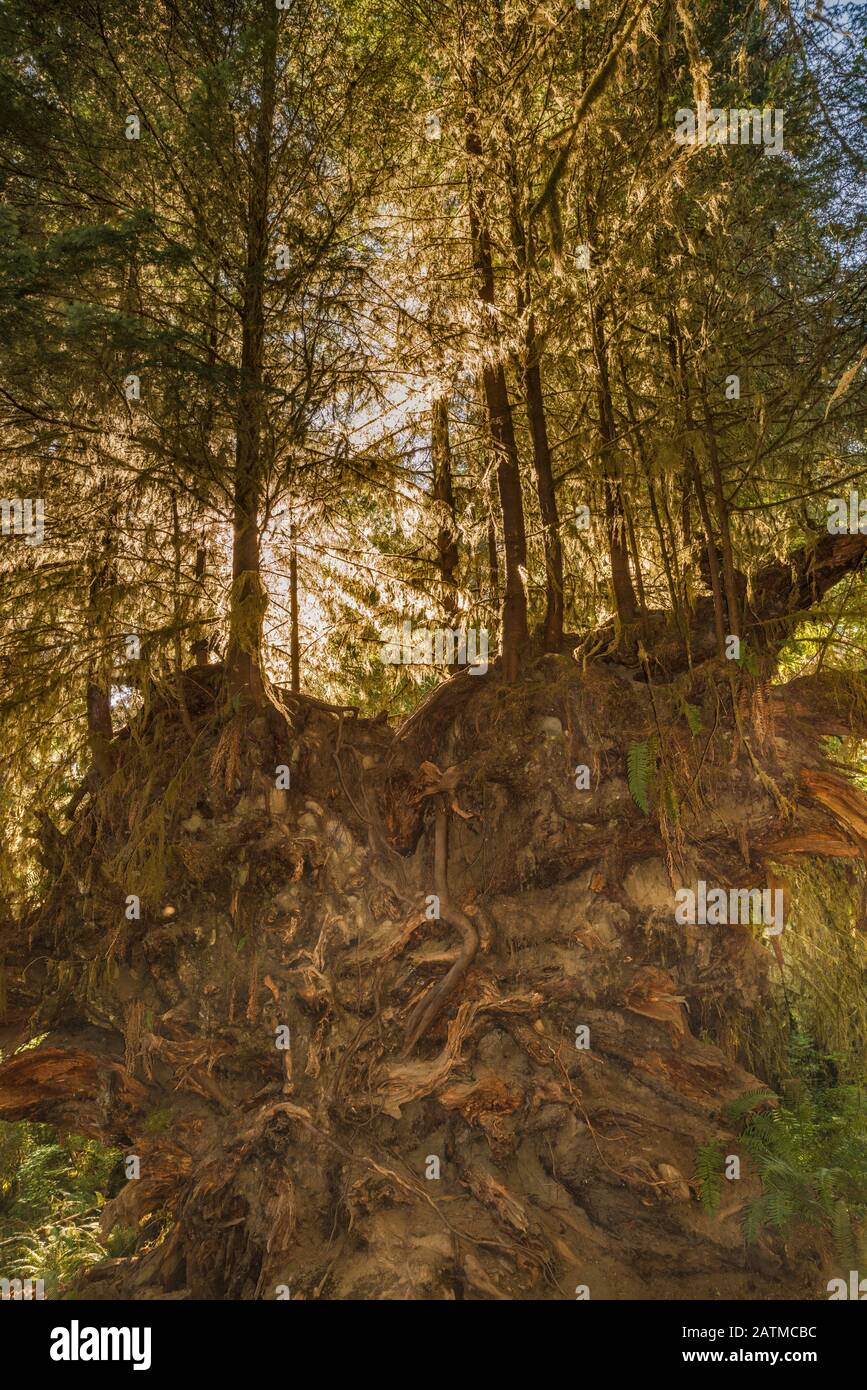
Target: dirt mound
(405,1013)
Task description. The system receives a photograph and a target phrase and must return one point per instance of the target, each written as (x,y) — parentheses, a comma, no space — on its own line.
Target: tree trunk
(553,628)
(200,646)
(98,690)
(732,601)
(501,424)
(249,600)
(99,730)
(534,399)
(615,521)
(295,653)
(442,491)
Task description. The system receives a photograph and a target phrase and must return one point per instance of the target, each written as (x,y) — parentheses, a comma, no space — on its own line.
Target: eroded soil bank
(204,915)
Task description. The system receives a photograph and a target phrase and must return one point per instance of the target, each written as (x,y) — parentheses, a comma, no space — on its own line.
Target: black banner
(66,1339)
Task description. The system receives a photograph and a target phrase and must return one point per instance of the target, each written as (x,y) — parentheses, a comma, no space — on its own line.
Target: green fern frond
(741,1106)
(811,1156)
(692,715)
(640,767)
(843,1235)
(755,1219)
(780,1209)
(709,1163)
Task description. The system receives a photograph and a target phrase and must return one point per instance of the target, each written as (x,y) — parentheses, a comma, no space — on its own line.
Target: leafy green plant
(810,1150)
(641,771)
(811,1155)
(709,1163)
(738,1109)
(51,1192)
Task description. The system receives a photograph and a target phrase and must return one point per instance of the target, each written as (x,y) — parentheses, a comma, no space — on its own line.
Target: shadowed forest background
(324,975)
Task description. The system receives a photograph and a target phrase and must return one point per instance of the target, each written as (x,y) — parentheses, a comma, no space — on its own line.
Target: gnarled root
(431,1005)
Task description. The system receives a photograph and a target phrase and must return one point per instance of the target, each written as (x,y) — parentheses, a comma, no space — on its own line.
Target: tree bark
(553,626)
(248,600)
(200,646)
(615,521)
(534,400)
(442,491)
(98,693)
(781,592)
(723,518)
(501,424)
(295,654)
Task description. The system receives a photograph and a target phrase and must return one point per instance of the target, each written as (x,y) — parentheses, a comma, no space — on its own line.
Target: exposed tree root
(418,1139)
(431,1005)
